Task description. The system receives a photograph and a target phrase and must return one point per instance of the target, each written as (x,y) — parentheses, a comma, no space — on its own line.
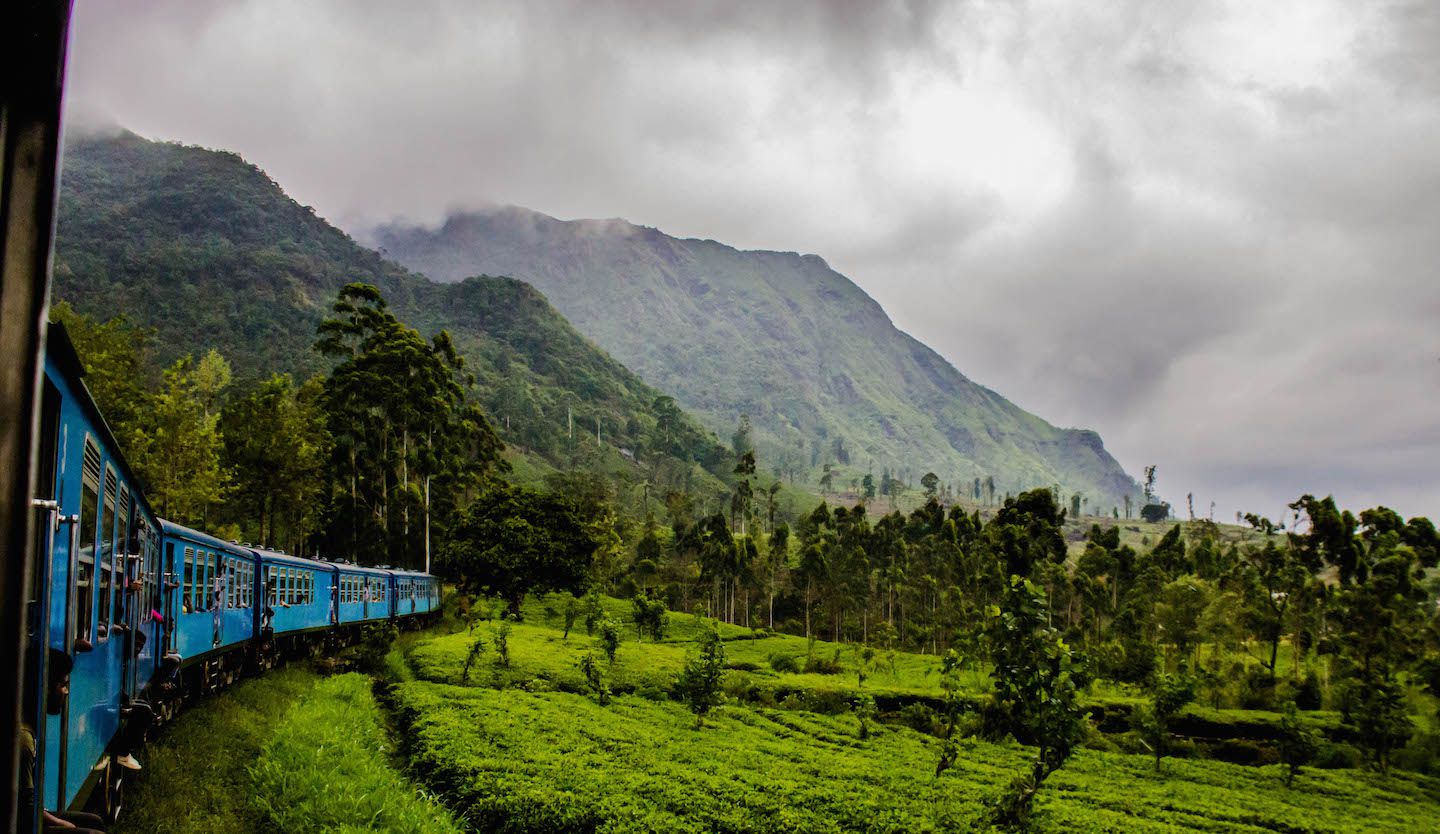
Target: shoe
(127,761)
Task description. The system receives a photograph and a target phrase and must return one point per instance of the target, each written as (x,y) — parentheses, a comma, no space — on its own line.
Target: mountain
(816,364)
(210,252)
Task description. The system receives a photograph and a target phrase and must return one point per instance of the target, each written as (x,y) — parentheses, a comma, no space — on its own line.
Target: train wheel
(110,790)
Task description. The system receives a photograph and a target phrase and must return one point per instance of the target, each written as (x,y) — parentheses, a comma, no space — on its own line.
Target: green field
(521,748)
(512,760)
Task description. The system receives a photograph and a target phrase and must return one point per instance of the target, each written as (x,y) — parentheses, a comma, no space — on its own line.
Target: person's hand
(52,821)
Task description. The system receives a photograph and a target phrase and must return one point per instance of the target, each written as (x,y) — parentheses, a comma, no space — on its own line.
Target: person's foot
(127,761)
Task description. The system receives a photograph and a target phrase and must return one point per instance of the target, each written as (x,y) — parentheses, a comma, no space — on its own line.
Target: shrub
(918,716)
(784,663)
(1308,695)
(1338,755)
(817,665)
(610,638)
(502,644)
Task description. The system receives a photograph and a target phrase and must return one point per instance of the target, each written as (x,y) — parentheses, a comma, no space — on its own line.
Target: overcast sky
(1210,231)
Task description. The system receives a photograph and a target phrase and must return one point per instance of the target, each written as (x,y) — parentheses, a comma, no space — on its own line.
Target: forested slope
(210,252)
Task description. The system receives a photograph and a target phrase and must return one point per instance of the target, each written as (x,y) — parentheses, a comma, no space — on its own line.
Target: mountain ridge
(769,319)
(209,251)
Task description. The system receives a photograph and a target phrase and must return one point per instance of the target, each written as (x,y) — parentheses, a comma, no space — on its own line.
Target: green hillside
(814,361)
(210,252)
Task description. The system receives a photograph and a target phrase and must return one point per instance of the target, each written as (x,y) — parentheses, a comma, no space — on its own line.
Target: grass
(193,779)
(286,751)
(326,769)
(513,760)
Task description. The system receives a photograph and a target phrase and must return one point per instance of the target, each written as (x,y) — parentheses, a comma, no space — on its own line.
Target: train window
(212,574)
(309,587)
(187,589)
(105,564)
(249,585)
(122,555)
(231,584)
(85,560)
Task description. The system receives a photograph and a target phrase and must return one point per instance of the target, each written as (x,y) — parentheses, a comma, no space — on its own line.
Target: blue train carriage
(214,600)
(97,595)
(415,594)
(363,594)
(298,609)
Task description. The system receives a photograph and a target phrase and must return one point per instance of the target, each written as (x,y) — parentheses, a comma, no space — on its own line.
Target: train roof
(180,530)
(61,350)
(289,558)
(349,568)
(407,572)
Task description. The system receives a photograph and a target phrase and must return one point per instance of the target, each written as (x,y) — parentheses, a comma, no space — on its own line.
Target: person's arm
(52,821)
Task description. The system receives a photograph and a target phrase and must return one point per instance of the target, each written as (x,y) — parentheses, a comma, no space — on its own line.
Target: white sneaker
(128,761)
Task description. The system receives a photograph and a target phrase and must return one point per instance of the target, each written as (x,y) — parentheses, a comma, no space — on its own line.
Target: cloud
(1205,230)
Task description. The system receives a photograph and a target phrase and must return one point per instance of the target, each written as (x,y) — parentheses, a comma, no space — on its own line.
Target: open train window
(212,595)
(84,600)
(187,591)
(122,554)
(106,563)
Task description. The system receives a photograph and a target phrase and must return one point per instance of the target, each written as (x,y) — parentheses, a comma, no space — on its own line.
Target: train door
(46,503)
(217,598)
(127,601)
(169,578)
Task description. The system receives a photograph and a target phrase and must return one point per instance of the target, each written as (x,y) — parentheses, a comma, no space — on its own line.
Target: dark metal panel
(32,68)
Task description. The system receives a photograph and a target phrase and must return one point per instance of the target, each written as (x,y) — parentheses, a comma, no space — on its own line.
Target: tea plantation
(519,747)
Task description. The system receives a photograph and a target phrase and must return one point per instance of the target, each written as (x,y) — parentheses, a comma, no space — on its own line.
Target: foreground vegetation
(194,778)
(289,751)
(326,769)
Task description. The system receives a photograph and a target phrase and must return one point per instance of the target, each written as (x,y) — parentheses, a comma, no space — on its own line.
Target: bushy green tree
(514,540)
(649,616)
(610,638)
(1297,744)
(1037,678)
(594,676)
(405,438)
(115,354)
(1168,695)
(179,454)
(699,682)
(276,446)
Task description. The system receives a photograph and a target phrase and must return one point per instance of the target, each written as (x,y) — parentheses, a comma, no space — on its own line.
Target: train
(147,613)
